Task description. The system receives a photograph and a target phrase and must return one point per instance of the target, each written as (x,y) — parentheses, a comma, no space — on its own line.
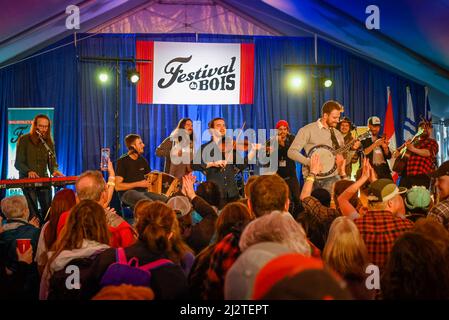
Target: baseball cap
(418,197)
(383,190)
(442,170)
(181,205)
(374,121)
(240,278)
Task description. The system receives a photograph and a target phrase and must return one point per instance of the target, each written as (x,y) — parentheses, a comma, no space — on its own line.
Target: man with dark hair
(320,132)
(268,193)
(441,210)
(33,160)
(422,159)
(220,162)
(130,174)
(376,150)
(345,126)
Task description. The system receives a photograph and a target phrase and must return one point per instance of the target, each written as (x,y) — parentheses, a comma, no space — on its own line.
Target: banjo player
(320,132)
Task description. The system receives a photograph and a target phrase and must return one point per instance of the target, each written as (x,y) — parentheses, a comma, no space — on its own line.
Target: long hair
(34,136)
(416,269)
(181,125)
(63,201)
(233,216)
(345,250)
(158,228)
(87,221)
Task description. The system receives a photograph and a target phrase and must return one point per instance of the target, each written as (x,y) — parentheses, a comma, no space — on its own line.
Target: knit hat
(418,197)
(181,205)
(240,278)
(309,285)
(279,268)
(282,123)
(383,190)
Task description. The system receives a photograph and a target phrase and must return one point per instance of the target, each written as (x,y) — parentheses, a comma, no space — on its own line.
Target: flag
(389,130)
(410,124)
(427,112)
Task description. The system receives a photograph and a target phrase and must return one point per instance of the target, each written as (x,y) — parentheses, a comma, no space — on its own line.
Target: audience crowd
(368,239)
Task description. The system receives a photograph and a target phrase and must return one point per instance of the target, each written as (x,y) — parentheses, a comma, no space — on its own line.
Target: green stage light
(327,83)
(133,76)
(103,77)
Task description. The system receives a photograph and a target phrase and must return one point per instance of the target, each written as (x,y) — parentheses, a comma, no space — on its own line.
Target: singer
(36,155)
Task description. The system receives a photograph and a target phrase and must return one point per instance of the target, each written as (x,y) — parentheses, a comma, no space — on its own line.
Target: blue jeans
(131,197)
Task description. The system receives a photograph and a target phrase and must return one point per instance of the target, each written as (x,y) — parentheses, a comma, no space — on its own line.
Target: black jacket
(225,179)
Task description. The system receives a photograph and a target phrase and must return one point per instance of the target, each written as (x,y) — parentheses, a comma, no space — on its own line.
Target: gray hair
(15,207)
(277,227)
(91,187)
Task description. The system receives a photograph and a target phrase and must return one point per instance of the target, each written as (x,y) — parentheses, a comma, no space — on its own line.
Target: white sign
(201,73)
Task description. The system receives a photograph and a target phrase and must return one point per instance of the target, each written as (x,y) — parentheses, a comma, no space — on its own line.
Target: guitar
(328,155)
(400,162)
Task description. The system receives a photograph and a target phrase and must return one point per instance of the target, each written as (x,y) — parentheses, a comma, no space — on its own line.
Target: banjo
(328,155)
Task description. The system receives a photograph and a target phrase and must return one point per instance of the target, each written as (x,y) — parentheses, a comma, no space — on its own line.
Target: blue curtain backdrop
(85,110)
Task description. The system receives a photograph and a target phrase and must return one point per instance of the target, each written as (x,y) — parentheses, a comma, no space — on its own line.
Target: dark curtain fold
(85,110)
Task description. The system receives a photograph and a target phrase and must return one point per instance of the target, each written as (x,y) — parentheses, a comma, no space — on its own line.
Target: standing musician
(422,158)
(33,159)
(376,150)
(178,149)
(130,181)
(286,166)
(345,126)
(220,161)
(319,132)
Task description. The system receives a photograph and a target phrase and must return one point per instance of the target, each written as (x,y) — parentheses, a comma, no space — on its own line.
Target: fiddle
(228,145)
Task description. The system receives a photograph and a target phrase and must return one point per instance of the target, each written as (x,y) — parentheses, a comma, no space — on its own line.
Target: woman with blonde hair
(345,252)
(159,238)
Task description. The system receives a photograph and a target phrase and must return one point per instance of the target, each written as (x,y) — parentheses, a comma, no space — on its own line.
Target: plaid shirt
(380,229)
(320,213)
(422,165)
(223,257)
(441,213)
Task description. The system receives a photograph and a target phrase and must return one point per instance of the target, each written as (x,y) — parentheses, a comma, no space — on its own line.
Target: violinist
(422,158)
(376,150)
(220,161)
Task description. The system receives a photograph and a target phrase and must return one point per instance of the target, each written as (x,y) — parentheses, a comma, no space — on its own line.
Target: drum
(162,183)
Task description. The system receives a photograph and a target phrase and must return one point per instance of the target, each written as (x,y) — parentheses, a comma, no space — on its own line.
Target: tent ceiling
(412,39)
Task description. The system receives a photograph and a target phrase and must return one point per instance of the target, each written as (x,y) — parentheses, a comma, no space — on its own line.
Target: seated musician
(130,179)
(422,158)
(177,149)
(377,151)
(33,160)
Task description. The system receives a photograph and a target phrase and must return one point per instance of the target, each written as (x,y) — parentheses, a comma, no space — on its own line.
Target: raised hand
(26,257)
(315,164)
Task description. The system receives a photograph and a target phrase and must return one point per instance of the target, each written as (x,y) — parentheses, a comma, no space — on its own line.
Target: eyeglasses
(41,126)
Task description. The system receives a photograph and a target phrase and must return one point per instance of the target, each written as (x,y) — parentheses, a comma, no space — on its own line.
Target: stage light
(327,83)
(133,76)
(103,77)
(295,82)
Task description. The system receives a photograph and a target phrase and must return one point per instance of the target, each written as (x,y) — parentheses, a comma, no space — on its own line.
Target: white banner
(201,73)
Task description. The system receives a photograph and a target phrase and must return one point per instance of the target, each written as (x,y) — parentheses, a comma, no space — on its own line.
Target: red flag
(389,129)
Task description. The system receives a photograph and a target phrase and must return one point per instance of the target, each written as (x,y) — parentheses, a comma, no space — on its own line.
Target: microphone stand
(51,155)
